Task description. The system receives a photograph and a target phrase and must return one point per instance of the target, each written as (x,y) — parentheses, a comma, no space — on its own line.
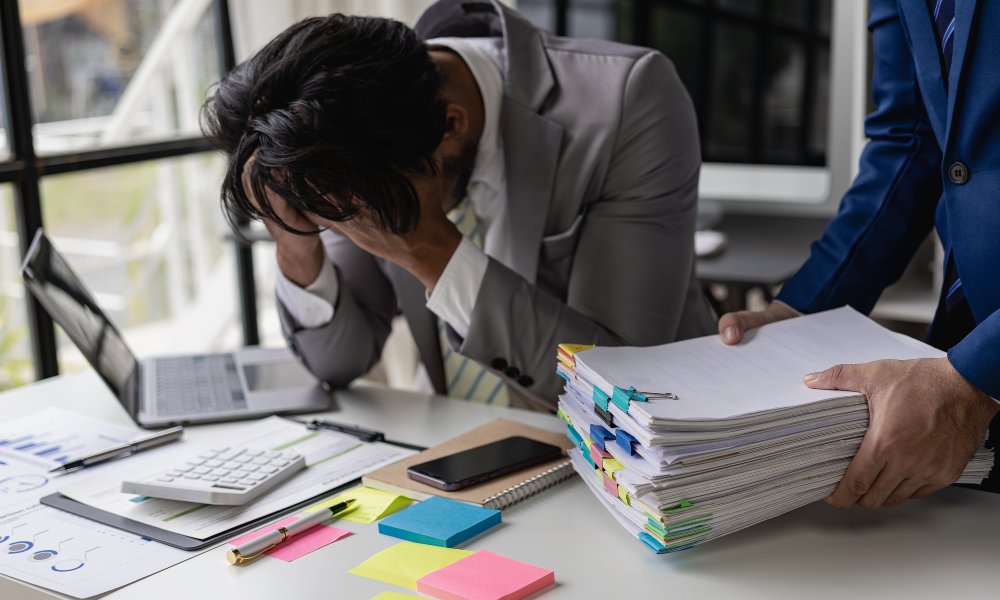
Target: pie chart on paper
(19,484)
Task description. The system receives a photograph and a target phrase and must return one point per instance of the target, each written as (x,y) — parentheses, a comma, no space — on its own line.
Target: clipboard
(170,538)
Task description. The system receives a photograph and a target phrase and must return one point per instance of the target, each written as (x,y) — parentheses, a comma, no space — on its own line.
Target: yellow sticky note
(610,465)
(406,562)
(395,596)
(572,349)
(372,504)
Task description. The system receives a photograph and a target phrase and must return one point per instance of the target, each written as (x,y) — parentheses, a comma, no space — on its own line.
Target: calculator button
(256,476)
(243,458)
(196,461)
(232,465)
(213,463)
(272,454)
(240,474)
(248,482)
(220,472)
(229,480)
(228,455)
(183,469)
(191,476)
(253,452)
(280,463)
(249,468)
(218,450)
(260,460)
(268,470)
(210,478)
(201,470)
(174,473)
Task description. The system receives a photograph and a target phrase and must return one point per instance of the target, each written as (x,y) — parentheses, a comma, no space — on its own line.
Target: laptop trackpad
(274,376)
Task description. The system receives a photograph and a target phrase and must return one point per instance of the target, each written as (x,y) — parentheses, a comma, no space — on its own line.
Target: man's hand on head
(926,422)
(300,257)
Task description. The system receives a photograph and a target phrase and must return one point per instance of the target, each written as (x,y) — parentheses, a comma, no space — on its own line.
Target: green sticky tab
(574,437)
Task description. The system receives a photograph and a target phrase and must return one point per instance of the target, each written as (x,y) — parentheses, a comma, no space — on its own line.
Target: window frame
(24,170)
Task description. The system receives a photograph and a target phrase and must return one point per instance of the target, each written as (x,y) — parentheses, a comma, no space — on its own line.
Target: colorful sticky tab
(439,522)
(372,504)
(624,496)
(486,576)
(597,455)
(298,545)
(610,465)
(610,485)
(406,562)
(569,350)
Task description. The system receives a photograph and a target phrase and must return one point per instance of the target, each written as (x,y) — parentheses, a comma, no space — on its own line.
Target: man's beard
(459,170)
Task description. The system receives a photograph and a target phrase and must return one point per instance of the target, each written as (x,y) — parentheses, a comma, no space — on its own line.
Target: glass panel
(732,93)
(790,12)
(115,72)
(785,85)
(4,116)
(592,19)
(541,13)
(820,108)
(15,340)
(677,34)
(149,242)
(740,6)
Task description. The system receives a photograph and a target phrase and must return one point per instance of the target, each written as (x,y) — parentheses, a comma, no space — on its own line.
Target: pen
(365,435)
(121,450)
(255,548)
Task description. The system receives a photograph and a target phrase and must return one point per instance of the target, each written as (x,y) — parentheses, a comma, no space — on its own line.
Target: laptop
(169,390)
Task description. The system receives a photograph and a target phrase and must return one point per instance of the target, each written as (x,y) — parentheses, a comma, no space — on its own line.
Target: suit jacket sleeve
(351,342)
(633,262)
(889,209)
(977,357)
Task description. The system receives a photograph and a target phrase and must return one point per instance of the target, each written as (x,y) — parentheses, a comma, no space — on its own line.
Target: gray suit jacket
(602,164)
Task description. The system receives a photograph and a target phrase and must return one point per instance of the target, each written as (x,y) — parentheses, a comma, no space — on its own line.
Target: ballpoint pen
(128,448)
(256,547)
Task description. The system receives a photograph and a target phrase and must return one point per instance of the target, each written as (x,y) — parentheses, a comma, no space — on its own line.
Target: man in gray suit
(508,190)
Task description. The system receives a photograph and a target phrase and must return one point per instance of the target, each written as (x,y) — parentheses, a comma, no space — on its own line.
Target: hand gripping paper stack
(687,442)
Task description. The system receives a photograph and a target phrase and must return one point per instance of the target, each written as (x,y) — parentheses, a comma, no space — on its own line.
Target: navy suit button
(499,364)
(526,381)
(513,372)
(958,173)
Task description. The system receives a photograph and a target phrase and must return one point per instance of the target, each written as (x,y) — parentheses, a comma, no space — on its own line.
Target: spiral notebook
(498,493)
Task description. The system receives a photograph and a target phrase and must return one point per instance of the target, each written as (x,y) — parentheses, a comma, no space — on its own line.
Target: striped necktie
(943,14)
(466,378)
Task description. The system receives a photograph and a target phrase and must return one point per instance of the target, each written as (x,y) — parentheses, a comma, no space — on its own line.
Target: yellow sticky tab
(623,495)
(565,361)
(372,504)
(406,562)
(395,596)
(572,349)
(611,465)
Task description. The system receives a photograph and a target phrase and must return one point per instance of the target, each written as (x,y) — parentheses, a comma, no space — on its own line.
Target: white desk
(931,548)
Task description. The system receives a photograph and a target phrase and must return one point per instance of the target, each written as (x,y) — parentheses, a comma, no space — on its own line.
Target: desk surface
(760,249)
(924,549)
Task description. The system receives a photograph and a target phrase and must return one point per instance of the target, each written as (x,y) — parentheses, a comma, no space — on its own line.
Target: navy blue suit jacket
(918,129)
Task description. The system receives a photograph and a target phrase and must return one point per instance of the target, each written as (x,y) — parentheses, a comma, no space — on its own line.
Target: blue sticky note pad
(439,522)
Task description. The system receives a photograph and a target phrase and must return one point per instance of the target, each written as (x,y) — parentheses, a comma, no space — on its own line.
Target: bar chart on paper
(51,438)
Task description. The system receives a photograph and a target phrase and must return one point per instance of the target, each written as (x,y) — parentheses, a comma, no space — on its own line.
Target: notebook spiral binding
(530,487)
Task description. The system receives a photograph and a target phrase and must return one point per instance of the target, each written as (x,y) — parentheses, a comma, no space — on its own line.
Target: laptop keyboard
(198,384)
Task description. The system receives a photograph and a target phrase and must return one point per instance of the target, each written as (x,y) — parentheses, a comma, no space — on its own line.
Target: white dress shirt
(454,296)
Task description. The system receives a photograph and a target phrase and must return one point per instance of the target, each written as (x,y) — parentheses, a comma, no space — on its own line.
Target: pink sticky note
(486,576)
(597,455)
(298,545)
(611,485)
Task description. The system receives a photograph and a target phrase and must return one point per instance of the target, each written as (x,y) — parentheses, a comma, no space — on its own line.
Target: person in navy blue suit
(933,159)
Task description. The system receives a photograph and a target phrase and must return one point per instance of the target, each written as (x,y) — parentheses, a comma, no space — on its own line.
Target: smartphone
(482,463)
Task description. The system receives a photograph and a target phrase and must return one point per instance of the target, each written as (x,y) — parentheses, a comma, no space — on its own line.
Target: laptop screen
(62,294)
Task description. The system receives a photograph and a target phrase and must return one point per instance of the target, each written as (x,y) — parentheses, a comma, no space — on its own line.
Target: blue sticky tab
(599,434)
(652,543)
(626,441)
(439,522)
(563,375)
(620,398)
(573,436)
(600,398)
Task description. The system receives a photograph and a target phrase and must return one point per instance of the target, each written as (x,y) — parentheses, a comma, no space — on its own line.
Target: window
(100,144)
(757,70)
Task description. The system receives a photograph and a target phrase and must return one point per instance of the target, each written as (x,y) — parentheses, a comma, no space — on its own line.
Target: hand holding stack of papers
(687,442)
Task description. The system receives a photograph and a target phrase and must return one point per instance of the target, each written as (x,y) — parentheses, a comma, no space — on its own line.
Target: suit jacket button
(958,173)
(526,381)
(499,364)
(513,372)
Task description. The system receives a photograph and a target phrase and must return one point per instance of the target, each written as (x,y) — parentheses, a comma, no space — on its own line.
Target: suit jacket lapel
(965,18)
(928,64)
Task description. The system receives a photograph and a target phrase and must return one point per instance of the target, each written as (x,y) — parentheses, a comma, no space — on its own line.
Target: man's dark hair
(336,111)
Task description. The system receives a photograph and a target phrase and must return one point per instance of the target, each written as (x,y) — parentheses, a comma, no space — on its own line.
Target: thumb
(732,326)
(840,377)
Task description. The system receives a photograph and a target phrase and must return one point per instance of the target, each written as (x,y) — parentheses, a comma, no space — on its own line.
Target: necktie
(943,13)
(465,377)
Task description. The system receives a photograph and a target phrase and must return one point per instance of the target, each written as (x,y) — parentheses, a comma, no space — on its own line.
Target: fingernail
(811,377)
(730,334)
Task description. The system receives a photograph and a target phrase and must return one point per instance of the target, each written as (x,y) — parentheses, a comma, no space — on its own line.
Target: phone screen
(482,463)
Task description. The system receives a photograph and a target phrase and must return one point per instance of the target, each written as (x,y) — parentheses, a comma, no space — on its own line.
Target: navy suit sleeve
(889,209)
(977,357)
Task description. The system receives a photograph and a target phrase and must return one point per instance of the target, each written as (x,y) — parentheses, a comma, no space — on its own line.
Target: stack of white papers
(690,441)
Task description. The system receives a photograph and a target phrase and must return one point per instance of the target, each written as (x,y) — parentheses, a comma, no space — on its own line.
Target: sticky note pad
(299,544)
(406,562)
(439,522)
(486,576)
(372,504)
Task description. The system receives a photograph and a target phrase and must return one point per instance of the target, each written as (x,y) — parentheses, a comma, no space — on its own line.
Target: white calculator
(230,476)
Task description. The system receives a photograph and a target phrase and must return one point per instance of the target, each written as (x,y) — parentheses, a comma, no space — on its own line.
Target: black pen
(365,435)
(122,450)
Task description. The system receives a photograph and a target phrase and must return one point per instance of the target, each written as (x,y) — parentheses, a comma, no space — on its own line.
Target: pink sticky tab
(597,455)
(486,576)
(611,485)
(298,545)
